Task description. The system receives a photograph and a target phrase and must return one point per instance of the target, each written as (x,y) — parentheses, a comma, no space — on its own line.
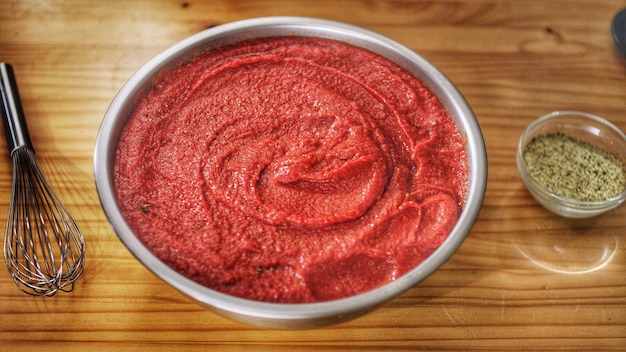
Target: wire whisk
(43,247)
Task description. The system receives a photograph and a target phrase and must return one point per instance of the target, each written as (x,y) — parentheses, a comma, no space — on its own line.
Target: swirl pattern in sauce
(291,170)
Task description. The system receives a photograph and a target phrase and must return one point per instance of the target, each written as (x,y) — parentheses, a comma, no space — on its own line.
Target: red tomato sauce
(291,170)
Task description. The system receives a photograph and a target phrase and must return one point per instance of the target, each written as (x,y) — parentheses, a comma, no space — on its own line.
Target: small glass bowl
(585,127)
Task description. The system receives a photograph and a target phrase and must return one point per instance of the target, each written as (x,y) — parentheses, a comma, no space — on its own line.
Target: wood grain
(524,279)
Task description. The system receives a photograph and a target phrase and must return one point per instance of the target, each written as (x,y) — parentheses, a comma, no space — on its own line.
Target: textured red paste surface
(291,170)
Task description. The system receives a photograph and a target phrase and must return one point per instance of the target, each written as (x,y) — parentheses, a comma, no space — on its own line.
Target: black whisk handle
(13,118)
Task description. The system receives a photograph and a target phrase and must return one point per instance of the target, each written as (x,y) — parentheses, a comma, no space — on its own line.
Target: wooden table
(523,279)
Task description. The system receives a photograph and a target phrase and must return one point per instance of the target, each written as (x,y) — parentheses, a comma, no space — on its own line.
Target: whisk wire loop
(44,248)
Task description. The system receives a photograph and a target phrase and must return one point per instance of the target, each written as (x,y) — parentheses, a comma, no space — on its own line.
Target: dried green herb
(574,169)
(145,208)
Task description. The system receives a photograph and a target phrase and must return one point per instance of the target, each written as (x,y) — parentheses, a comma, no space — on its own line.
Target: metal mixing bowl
(275,315)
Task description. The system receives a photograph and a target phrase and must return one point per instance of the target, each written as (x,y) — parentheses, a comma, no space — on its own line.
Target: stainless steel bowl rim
(298,26)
